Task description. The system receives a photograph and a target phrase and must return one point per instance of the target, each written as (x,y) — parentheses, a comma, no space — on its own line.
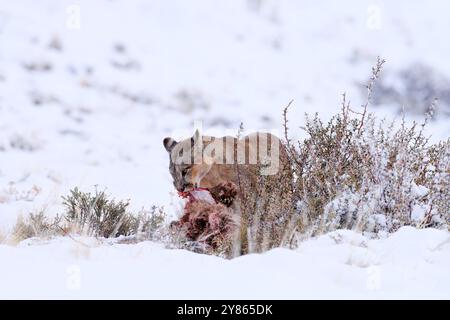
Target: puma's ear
(169,143)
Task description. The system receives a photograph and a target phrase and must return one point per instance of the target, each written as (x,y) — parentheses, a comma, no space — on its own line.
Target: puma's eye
(185,170)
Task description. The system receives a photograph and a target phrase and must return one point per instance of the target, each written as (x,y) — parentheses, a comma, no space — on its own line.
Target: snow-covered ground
(88,90)
(410,264)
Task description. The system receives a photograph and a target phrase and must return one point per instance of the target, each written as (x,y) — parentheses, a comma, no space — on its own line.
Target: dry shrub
(352,172)
(96,215)
(148,224)
(372,178)
(93,215)
(359,173)
(36,225)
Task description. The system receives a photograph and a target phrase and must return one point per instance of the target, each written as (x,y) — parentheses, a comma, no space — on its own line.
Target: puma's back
(206,161)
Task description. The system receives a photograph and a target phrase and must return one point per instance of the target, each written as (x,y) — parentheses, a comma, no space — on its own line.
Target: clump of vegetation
(36,225)
(149,224)
(96,215)
(352,172)
(356,172)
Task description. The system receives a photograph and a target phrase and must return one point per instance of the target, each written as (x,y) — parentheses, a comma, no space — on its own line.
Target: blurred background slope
(89,89)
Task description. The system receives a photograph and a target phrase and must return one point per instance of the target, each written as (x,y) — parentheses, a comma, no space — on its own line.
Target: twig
(285,122)
(375,74)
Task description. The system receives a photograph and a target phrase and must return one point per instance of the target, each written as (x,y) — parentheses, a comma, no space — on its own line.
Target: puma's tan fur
(220,159)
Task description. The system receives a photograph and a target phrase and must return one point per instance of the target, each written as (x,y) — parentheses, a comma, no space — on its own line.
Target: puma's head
(187,165)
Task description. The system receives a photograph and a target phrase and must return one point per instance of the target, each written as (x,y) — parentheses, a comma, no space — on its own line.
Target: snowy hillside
(89,90)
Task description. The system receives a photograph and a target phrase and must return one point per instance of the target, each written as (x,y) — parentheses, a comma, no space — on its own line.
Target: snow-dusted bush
(94,215)
(357,172)
(97,215)
(354,174)
(149,224)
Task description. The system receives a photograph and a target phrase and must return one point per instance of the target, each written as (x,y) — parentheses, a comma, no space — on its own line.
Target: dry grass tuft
(35,225)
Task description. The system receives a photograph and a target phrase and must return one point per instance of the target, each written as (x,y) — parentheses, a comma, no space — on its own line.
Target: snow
(86,102)
(343,264)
